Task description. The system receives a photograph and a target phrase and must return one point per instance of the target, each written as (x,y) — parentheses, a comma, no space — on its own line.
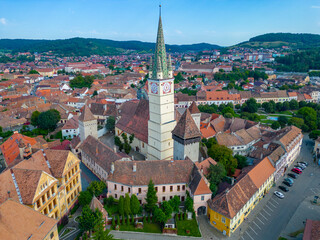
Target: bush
(185,216)
(149,218)
(194,215)
(144,220)
(181,216)
(123,219)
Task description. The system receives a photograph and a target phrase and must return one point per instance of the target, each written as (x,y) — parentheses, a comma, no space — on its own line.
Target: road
(272,214)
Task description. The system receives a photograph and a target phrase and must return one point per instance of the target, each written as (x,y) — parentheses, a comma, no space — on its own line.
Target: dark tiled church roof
(86,115)
(186,127)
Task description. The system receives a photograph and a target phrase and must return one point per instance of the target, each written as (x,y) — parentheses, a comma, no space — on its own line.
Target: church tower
(161,102)
(186,137)
(87,124)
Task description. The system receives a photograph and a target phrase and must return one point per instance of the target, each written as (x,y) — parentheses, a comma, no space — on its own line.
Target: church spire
(160,56)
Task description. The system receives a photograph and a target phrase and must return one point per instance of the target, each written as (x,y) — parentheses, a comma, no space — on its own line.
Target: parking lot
(272,214)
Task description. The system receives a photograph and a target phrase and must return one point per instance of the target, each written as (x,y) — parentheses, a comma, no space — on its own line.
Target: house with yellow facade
(227,210)
(21,222)
(48,181)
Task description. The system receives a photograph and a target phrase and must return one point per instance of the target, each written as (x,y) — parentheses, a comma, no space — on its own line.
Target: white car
(279,194)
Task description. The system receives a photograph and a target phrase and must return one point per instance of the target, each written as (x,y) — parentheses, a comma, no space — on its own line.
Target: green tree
(85,198)
(111,121)
(279,106)
(242,161)
(309,116)
(33,72)
(178,78)
(96,187)
(160,216)
(228,110)
(88,218)
(100,233)
(175,203)
(294,105)
(121,206)
(151,198)
(283,120)
(167,209)
(134,204)
(34,118)
(126,206)
(314,134)
(80,81)
(48,120)
(189,203)
(275,125)
(216,173)
(224,155)
(251,106)
(95,93)
(298,122)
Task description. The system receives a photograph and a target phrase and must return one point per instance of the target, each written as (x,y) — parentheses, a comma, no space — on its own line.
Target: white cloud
(3,21)
(315,6)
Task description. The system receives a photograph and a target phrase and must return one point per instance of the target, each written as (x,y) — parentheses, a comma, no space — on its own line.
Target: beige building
(170,178)
(20,222)
(49,182)
(161,103)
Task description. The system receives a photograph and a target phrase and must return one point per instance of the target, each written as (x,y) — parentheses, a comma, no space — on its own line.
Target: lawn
(267,121)
(148,227)
(191,225)
(285,112)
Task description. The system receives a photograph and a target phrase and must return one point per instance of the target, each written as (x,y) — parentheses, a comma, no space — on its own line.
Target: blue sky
(223,22)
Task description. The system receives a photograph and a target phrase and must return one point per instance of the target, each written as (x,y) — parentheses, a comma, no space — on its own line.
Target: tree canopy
(80,81)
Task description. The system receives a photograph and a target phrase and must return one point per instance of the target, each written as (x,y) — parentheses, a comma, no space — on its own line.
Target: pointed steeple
(160,56)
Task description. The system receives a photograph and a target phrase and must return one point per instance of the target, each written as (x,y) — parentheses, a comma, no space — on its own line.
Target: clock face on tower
(167,87)
(154,88)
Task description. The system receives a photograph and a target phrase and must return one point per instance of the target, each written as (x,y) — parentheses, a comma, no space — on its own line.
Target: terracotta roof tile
(86,115)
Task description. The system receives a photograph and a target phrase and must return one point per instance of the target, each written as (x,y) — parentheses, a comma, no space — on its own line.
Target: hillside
(276,40)
(91,46)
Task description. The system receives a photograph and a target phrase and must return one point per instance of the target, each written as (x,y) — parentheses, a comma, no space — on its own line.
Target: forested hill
(293,40)
(90,46)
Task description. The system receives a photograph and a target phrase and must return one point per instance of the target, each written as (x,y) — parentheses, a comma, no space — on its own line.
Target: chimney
(115,148)
(134,169)
(201,169)
(132,157)
(97,150)
(112,167)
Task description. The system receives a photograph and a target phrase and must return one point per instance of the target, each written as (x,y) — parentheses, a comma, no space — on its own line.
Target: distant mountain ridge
(293,40)
(91,46)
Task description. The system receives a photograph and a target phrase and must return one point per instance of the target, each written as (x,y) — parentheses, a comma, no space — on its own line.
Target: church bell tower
(161,102)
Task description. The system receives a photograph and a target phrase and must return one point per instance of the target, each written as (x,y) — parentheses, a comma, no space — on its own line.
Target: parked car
(302,166)
(293,175)
(305,163)
(299,168)
(288,180)
(289,184)
(279,194)
(283,188)
(296,170)
(302,163)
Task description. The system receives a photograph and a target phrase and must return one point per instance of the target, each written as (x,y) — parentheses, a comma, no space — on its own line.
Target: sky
(222,22)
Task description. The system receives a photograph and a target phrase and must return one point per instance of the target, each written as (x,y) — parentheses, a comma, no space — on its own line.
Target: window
(121,188)
(115,196)
(223,220)
(115,187)
(129,190)
(183,187)
(156,188)
(182,199)
(163,189)
(178,188)
(171,188)
(139,190)
(171,197)
(202,198)
(163,198)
